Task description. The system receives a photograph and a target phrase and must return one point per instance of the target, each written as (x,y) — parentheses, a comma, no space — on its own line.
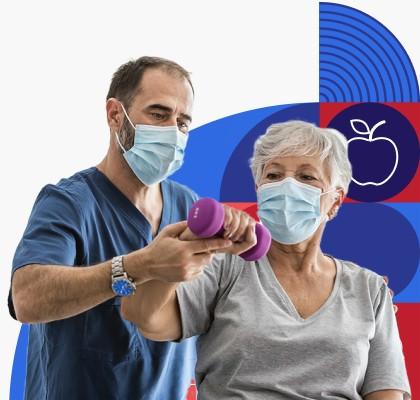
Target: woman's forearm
(385,395)
(154,309)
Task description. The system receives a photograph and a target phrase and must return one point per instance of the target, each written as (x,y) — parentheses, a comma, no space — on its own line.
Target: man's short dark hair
(125,81)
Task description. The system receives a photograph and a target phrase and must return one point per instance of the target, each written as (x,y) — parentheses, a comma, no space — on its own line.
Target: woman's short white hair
(299,138)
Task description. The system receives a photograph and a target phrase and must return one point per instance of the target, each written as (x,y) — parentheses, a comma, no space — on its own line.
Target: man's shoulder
(181,191)
(71,190)
(77,182)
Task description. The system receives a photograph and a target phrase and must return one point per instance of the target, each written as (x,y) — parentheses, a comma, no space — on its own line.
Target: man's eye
(158,116)
(183,126)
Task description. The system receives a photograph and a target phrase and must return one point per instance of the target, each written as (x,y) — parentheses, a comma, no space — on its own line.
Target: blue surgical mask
(291,210)
(157,152)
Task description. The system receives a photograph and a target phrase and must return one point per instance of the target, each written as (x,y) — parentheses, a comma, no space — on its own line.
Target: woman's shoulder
(361,280)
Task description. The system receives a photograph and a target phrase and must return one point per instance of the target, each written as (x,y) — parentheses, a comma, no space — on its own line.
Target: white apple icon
(370,139)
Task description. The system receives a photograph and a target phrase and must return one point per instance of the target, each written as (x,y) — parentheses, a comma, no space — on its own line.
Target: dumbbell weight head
(206,218)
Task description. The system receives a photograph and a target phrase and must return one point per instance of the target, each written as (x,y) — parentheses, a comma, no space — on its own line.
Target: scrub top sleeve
(197,299)
(53,234)
(386,365)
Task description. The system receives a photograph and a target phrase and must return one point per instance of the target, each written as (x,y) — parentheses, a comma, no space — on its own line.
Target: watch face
(122,287)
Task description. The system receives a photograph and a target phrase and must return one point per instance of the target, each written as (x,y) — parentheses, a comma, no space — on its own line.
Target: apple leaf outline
(354,123)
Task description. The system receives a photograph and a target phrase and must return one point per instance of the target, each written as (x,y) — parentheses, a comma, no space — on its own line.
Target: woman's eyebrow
(275,164)
(306,165)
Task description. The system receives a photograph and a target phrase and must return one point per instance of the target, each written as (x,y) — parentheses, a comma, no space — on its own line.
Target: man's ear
(113,114)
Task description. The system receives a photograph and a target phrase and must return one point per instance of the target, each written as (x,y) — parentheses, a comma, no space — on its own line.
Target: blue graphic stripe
(359,36)
(335,87)
(357,62)
(394,46)
(338,61)
(349,92)
(379,69)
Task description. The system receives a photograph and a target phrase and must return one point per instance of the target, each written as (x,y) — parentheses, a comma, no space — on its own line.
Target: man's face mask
(157,152)
(291,210)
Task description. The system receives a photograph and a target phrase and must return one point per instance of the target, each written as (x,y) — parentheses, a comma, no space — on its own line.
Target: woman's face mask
(157,152)
(291,210)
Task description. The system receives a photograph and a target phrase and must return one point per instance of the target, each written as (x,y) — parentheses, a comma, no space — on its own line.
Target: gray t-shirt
(254,345)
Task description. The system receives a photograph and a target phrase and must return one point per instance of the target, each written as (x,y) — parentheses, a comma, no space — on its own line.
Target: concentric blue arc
(360,60)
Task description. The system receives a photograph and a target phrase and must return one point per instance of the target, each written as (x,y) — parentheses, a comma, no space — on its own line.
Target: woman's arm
(385,395)
(154,307)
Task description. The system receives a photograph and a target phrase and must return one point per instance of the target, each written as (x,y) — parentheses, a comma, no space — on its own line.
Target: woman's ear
(340,195)
(338,200)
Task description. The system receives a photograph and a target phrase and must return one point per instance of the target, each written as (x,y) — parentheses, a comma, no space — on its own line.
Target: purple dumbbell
(206,218)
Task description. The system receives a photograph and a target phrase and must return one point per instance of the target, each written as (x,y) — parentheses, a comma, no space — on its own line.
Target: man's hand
(170,259)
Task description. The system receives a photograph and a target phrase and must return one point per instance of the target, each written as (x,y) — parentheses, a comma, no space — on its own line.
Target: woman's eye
(308,177)
(272,176)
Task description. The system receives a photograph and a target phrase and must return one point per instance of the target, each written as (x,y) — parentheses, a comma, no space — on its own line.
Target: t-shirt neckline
(287,302)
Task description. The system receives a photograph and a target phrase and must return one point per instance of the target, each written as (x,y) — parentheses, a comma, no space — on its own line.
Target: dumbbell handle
(206,218)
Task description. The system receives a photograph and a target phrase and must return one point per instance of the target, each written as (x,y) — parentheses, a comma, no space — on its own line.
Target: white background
(57,60)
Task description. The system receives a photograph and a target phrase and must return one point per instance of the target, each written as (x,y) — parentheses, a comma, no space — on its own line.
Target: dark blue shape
(373,161)
(376,237)
(361,41)
(17,382)
(411,211)
(210,147)
(238,183)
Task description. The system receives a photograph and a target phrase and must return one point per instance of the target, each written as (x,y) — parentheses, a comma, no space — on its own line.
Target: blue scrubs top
(85,220)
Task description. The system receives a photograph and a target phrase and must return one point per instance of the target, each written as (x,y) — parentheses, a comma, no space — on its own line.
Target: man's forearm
(43,293)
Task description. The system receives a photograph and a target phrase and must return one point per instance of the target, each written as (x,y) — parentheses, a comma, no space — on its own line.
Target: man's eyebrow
(167,109)
(160,107)
(186,116)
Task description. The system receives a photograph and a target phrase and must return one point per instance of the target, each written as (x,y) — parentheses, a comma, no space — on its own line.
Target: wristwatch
(121,283)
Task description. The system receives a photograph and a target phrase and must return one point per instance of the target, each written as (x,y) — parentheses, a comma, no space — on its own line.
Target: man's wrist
(136,264)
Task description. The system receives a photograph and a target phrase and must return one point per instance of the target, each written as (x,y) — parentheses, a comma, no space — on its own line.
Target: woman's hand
(386,279)
(239,227)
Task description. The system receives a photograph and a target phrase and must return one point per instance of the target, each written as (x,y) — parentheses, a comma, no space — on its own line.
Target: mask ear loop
(118,141)
(129,120)
(327,217)
(125,112)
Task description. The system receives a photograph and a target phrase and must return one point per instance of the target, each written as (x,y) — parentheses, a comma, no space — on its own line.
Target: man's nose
(172,120)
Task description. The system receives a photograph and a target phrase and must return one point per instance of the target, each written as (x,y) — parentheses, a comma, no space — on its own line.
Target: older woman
(297,324)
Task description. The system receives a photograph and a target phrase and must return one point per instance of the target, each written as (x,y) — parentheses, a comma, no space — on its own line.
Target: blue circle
(376,237)
(384,155)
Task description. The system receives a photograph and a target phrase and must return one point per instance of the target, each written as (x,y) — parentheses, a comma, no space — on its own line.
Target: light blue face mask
(291,210)
(157,152)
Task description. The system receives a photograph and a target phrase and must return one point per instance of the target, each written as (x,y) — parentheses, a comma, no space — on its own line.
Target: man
(94,237)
